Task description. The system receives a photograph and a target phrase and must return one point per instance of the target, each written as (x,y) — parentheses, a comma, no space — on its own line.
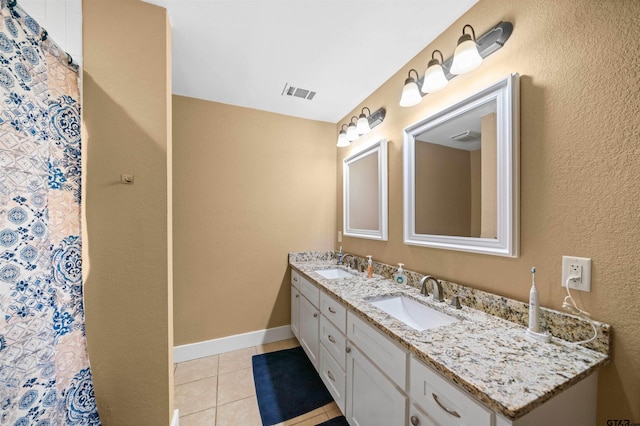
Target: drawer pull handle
(295,279)
(331,339)
(333,379)
(315,315)
(332,310)
(348,350)
(453,413)
(297,295)
(415,421)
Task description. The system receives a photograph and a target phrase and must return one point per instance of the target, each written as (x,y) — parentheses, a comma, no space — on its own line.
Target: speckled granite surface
(484,353)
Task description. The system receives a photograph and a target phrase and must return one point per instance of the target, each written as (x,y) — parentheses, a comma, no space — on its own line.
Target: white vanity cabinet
(437,401)
(444,403)
(308,321)
(333,343)
(375,381)
(295,304)
(376,377)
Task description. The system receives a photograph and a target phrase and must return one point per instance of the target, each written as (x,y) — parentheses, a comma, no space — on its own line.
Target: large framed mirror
(461,174)
(365,193)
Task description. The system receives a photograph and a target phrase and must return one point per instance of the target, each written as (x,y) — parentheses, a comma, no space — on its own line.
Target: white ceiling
(243,52)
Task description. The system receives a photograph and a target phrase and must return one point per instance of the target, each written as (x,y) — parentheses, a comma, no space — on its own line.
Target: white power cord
(570,305)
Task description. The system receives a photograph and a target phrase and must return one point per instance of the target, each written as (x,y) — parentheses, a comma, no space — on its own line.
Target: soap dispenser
(369,267)
(400,276)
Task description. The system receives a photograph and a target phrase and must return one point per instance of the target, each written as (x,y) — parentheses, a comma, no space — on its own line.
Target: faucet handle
(438,294)
(455,302)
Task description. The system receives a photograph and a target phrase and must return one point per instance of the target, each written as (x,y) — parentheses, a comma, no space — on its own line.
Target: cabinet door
(309,330)
(295,312)
(372,399)
(333,377)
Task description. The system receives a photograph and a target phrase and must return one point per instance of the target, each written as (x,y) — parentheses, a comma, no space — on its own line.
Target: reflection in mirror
(461,174)
(365,193)
(455,163)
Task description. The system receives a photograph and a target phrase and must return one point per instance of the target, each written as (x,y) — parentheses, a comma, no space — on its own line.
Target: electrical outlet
(580,269)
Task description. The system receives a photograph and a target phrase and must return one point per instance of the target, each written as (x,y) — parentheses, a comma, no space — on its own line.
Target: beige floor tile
(278,346)
(302,417)
(335,412)
(201,418)
(236,360)
(314,420)
(235,385)
(201,368)
(196,396)
(244,412)
(332,410)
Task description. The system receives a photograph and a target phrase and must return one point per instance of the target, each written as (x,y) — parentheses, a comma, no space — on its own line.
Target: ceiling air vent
(298,92)
(466,136)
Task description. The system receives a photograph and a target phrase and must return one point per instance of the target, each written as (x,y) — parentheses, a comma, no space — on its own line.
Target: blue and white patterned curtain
(44,368)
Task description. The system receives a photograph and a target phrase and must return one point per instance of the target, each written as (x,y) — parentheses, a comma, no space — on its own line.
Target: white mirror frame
(379,148)
(506,95)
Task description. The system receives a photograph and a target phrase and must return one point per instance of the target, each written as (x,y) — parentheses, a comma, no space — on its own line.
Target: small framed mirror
(461,174)
(365,193)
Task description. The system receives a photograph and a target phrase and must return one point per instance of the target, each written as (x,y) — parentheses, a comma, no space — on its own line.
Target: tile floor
(219,390)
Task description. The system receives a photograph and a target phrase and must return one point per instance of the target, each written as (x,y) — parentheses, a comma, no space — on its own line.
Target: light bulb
(434,78)
(363,125)
(352,133)
(466,57)
(410,93)
(342,139)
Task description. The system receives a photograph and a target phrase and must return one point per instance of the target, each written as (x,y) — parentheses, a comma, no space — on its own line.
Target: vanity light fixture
(343,140)
(363,122)
(355,130)
(410,92)
(352,130)
(434,78)
(468,55)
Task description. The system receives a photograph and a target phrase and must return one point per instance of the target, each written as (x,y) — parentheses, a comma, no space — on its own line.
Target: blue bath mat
(336,421)
(287,385)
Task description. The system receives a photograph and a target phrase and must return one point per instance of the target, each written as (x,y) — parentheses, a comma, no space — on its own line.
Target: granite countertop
(484,354)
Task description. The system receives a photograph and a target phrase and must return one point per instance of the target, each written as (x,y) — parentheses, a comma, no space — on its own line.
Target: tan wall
(364,197)
(127,119)
(475,160)
(443,173)
(489,181)
(249,187)
(580,166)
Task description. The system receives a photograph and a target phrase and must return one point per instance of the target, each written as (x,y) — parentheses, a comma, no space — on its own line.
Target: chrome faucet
(437,287)
(353,258)
(423,285)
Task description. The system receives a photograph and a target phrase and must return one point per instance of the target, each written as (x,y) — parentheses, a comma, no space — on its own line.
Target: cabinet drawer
(334,341)
(333,377)
(310,291)
(446,403)
(389,357)
(295,279)
(334,311)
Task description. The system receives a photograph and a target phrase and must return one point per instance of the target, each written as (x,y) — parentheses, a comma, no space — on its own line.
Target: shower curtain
(45,377)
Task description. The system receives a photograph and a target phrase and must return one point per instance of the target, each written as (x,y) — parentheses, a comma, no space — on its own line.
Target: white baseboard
(230,343)
(175,421)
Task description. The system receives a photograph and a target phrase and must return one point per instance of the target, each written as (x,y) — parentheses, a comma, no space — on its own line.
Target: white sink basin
(412,313)
(332,274)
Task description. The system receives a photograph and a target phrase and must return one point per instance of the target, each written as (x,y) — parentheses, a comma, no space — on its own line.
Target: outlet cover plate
(581,266)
